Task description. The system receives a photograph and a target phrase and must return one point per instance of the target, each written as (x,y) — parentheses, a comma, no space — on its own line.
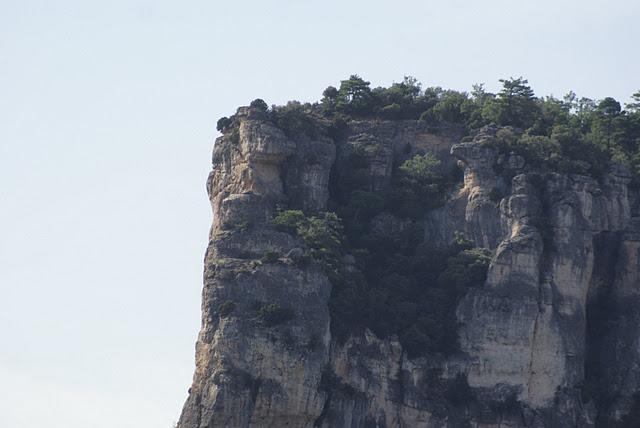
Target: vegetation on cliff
(392,282)
(343,214)
(401,287)
(408,290)
(573,134)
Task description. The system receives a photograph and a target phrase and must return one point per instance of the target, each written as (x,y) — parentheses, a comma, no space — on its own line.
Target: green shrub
(289,221)
(392,111)
(323,235)
(274,314)
(409,290)
(452,107)
(564,151)
(430,118)
(259,104)
(417,186)
(399,286)
(466,269)
(223,123)
(297,120)
(421,168)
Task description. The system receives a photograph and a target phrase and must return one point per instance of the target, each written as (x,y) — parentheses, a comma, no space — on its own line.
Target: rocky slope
(550,340)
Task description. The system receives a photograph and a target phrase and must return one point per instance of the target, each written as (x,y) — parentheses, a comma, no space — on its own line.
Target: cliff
(548,337)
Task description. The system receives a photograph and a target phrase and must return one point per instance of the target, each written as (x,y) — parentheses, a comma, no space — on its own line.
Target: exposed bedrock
(552,338)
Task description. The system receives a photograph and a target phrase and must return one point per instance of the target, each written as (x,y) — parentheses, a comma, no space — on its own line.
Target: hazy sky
(107,121)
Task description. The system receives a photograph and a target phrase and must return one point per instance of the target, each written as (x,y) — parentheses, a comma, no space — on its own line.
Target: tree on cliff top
(515,104)
(634,105)
(354,96)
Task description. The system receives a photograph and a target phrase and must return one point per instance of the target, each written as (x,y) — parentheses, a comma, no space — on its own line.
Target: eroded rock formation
(550,340)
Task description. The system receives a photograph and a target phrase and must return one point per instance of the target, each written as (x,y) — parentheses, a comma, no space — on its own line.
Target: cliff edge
(518,285)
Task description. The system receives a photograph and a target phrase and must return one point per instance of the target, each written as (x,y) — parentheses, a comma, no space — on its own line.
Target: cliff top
(568,135)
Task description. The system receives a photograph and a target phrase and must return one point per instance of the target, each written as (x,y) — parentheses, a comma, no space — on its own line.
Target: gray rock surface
(557,316)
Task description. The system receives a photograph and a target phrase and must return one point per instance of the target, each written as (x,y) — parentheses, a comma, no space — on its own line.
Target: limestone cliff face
(556,318)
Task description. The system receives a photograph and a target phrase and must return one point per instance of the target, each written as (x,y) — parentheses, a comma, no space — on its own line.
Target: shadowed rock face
(552,339)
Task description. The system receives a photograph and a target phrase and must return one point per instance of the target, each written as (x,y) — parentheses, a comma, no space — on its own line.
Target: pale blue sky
(107,121)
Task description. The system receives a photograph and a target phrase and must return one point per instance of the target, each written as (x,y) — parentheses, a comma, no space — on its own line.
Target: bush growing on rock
(399,285)
(410,292)
(452,107)
(466,269)
(417,186)
(297,120)
(322,234)
(259,104)
(289,220)
(223,123)
(577,135)
(391,111)
(421,168)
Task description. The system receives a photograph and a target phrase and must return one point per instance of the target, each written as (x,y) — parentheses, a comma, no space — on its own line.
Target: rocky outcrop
(552,339)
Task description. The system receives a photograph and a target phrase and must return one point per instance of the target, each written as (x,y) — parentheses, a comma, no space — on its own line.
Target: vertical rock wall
(556,317)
